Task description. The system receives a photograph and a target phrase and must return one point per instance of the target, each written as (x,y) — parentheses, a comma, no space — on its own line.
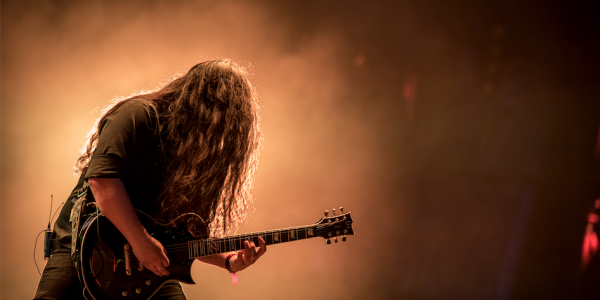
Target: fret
(285,236)
(301,234)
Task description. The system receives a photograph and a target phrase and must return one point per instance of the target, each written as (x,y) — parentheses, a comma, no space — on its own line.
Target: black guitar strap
(84,207)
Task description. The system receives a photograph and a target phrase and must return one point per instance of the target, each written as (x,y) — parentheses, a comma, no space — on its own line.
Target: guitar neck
(206,247)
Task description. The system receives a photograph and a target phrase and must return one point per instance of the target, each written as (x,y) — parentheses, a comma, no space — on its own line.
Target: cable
(50,219)
(34,247)
(99,241)
(49,215)
(57,211)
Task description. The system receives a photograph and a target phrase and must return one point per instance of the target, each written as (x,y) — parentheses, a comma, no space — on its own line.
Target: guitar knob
(148,281)
(335,239)
(343,238)
(124,293)
(138,290)
(328,241)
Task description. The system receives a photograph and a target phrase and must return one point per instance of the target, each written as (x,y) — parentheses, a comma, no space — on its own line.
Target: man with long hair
(190,147)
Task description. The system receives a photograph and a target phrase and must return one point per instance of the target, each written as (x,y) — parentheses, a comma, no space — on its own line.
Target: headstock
(334,226)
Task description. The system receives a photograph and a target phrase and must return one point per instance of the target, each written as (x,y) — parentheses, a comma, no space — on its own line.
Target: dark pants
(59,281)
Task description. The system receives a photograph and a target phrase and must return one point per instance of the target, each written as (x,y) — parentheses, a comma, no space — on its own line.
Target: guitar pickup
(127,259)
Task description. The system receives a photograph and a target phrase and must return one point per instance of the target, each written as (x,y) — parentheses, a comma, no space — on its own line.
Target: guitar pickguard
(102,264)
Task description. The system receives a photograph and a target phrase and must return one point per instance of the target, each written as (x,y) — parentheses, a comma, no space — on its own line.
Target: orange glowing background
(363,106)
(60,63)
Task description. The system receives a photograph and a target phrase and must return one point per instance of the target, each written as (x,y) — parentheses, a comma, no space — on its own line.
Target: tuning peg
(328,241)
(343,238)
(335,239)
(341,210)
(333,210)
(326,213)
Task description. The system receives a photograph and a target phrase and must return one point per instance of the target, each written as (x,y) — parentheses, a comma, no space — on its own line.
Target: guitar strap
(82,209)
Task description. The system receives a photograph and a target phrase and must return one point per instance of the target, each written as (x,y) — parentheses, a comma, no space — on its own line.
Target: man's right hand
(151,253)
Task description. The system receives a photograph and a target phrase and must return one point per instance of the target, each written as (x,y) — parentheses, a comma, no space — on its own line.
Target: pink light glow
(590,242)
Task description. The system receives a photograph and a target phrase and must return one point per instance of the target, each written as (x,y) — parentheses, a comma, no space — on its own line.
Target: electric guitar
(109,269)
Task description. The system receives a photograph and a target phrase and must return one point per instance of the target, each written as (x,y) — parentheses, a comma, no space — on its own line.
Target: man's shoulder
(139,106)
(140,110)
(132,115)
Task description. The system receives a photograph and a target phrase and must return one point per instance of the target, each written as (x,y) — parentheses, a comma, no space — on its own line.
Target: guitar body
(105,254)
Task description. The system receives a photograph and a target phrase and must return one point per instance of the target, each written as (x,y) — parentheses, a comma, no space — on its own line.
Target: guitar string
(177,250)
(184,248)
(242,236)
(253,235)
(245,236)
(204,244)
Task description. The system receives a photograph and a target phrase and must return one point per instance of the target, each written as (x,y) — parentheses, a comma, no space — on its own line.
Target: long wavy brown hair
(211,150)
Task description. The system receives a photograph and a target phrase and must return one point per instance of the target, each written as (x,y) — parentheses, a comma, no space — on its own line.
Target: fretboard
(205,247)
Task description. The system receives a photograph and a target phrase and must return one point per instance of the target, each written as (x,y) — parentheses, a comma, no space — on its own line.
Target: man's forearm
(217,259)
(113,201)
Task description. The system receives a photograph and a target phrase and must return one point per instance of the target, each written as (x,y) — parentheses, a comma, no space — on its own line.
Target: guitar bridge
(127,259)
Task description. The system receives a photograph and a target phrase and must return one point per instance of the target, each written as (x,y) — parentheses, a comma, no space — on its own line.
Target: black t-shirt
(129,148)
